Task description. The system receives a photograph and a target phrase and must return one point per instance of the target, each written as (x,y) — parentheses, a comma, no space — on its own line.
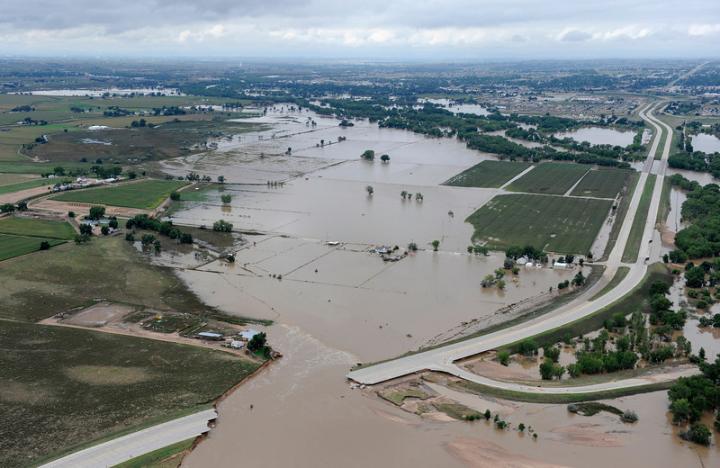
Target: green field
(31,227)
(11,188)
(632,248)
(490,174)
(602,183)
(558,224)
(14,246)
(25,166)
(146,194)
(549,178)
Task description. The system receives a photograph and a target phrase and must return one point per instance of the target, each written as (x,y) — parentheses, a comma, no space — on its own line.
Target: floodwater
(301,413)
(706,143)
(458,108)
(600,136)
(339,304)
(389,307)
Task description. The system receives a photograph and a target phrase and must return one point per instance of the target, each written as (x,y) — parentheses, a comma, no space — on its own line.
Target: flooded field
(336,303)
(389,307)
(600,136)
(706,143)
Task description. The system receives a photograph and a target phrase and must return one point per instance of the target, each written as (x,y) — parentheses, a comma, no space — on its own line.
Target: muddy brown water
(339,305)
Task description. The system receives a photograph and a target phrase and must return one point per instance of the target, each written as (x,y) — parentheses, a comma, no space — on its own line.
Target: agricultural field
(106,384)
(15,246)
(491,174)
(31,227)
(145,194)
(11,188)
(550,178)
(557,224)
(602,183)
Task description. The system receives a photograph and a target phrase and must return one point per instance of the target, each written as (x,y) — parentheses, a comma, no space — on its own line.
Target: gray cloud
(370,27)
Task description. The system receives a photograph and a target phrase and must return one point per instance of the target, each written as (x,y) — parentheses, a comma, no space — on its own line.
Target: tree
(221,179)
(71,214)
(96,212)
(435,245)
(404,194)
(186,238)
(368,155)
(385,158)
(370,190)
(552,352)
(105,230)
(412,247)
(44,245)
(7,208)
(226,199)
(82,238)
(579,279)
(157,246)
(695,277)
(698,433)
(550,370)
(222,226)
(528,347)
(22,206)
(175,196)
(258,342)
(504,357)
(147,239)
(85,229)
(113,224)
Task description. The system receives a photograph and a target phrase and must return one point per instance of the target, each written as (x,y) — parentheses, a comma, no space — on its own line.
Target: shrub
(698,433)
(504,357)
(528,347)
(44,245)
(222,226)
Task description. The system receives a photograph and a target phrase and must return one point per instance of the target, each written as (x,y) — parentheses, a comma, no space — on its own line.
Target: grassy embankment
(620,275)
(166,457)
(632,248)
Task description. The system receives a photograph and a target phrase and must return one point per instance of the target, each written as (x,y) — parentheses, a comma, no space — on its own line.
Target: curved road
(443,358)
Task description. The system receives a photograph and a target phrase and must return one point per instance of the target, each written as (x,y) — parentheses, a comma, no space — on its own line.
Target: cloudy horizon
(403,29)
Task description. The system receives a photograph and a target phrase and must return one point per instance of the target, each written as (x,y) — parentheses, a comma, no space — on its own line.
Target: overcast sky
(391,29)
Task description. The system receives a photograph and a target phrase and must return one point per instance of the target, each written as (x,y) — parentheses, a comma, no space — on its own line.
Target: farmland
(146,194)
(36,228)
(602,183)
(139,382)
(549,178)
(14,246)
(11,188)
(491,174)
(559,224)
(21,236)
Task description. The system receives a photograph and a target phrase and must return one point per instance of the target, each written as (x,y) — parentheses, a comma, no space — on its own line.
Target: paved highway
(443,358)
(138,443)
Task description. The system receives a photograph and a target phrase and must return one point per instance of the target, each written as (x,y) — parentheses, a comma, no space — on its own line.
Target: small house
(210,336)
